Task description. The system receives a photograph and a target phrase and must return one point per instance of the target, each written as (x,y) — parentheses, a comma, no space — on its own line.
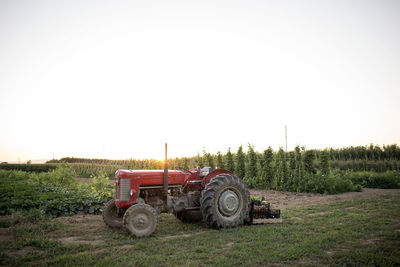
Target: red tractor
(217,196)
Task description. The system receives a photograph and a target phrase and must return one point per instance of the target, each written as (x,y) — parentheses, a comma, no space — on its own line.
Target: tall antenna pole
(286,138)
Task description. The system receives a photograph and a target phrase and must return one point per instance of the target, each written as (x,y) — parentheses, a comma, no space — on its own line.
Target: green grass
(353,233)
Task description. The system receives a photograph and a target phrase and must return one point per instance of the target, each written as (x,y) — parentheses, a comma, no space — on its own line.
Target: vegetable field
(51,194)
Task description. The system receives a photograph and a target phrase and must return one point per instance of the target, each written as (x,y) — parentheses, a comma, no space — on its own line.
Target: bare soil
(6,235)
(84,223)
(21,252)
(179,235)
(282,200)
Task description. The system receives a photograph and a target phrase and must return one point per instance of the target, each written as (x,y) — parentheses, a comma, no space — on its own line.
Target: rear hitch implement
(261,213)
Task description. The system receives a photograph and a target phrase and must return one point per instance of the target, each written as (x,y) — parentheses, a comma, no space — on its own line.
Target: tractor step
(261,213)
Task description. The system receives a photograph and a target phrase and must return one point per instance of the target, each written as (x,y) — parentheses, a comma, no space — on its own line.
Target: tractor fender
(213,174)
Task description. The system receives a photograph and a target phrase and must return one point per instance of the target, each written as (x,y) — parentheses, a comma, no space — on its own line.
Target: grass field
(352,232)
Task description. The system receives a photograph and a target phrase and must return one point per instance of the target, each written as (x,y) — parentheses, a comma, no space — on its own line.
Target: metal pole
(286,138)
(166,171)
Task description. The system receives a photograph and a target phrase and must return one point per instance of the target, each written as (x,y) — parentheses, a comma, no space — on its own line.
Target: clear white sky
(118,79)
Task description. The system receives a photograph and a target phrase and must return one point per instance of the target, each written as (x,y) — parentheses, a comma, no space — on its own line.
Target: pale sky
(118,79)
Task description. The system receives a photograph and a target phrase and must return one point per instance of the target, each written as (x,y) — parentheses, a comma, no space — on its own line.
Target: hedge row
(29,167)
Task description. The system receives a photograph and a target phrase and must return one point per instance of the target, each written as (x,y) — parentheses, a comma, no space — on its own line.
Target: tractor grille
(124,188)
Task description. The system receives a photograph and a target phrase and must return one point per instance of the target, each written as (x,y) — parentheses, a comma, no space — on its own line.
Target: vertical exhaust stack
(166,172)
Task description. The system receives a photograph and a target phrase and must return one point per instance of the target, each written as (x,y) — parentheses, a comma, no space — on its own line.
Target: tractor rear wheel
(224,202)
(141,220)
(111,216)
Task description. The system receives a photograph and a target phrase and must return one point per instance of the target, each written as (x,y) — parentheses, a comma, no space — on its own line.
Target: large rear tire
(224,202)
(111,216)
(141,220)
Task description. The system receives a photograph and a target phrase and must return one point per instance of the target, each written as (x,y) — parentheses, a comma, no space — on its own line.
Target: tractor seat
(204,171)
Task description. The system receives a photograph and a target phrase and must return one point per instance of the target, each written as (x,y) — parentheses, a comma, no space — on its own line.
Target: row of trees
(293,171)
(278,170)
(371,152)
(261,166)
(253,161)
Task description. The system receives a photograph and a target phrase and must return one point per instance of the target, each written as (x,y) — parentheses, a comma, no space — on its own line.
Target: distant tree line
(371,152)
(29,167)
(252,163)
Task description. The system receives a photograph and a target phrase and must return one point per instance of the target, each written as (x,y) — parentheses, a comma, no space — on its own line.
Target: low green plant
(385,180)
(63,176)
(46,194)
(99,186)
(327,184)
(253,198)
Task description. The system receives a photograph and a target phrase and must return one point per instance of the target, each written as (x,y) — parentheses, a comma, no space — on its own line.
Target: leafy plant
(281,173)
(240,169)
(308,161)
(99,186)
(324,159)
(251,172)
(230,165)
(388,179)
(220,160)
(267,171)
(209,161)
(23,191)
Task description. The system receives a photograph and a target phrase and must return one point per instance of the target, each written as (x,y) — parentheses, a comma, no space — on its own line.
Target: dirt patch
(365,242)
(296,219)
(281,200)
(228,246)
(169,237)
(84,223)
(78,240)
(20,253)
(6,235)
(303,262)
(370,241)
(320,213)
(82,229)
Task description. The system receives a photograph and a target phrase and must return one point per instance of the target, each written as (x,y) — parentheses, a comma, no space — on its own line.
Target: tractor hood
(152,177)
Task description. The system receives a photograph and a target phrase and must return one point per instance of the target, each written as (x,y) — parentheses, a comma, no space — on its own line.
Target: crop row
(29,167)
(55,197)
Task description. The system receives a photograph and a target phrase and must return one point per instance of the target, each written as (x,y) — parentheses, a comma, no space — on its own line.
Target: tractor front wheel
(224,202)
(140,220)
(111,216)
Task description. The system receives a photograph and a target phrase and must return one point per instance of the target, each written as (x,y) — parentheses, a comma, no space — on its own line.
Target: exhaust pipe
(166,172)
